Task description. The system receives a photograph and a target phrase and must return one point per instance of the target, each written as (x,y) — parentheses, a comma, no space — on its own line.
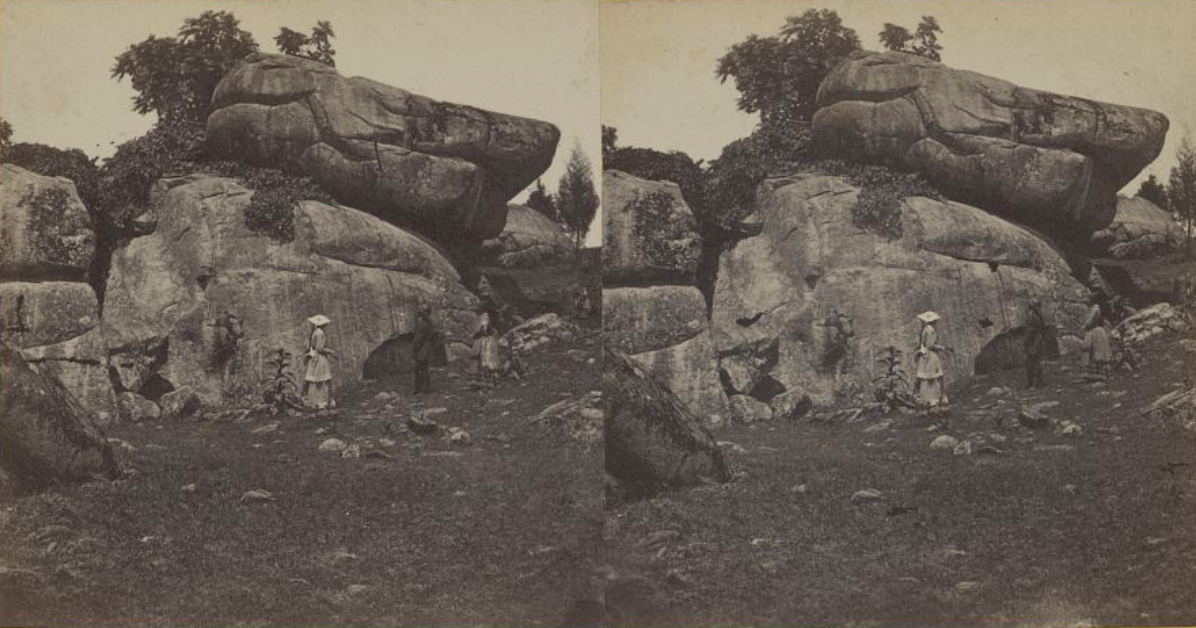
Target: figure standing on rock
(317,374)
(423,343)
(929,386)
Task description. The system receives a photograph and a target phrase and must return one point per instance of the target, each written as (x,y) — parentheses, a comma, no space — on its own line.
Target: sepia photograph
(300,313)
(597,313)
(897,312)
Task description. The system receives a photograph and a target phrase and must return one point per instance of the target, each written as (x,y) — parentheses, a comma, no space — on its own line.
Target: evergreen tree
(577,200)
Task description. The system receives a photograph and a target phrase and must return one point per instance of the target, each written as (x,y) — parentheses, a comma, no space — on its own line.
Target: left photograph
(300,313)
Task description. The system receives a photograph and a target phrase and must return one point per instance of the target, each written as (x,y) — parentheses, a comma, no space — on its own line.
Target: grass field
(498,532)
(1047,529)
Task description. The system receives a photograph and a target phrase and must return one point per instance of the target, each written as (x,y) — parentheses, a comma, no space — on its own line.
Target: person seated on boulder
(317,373)
(1098,349)
(929,387)
(486,351)
(423,346)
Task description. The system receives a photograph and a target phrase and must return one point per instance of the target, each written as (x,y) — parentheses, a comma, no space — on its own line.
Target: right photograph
(898,313)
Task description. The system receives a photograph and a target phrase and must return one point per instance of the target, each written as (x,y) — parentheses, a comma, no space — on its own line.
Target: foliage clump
(878,206)
(656,227)
(53,230)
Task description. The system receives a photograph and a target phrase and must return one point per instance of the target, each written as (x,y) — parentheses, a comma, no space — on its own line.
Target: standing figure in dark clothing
(1035,343)
(422,348)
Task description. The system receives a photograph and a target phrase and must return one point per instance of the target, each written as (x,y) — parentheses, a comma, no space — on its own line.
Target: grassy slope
(494,533)
(956,540)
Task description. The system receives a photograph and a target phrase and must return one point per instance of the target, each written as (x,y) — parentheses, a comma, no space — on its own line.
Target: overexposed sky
(659,56)
(533,58)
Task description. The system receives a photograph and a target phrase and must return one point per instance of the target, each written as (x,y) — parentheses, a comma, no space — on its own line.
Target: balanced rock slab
(664,330)
(1139,230)
(816,299)
(652,439)
(1043,159)
(445,170)
(205,302)
(46,437)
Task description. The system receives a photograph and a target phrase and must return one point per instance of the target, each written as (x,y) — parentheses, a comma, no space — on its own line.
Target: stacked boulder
(47,309)
(1047,160)
(651,310)
(1139,230)
(444,170)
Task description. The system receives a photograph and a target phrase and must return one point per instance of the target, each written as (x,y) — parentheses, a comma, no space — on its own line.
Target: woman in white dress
(929,363)
(317,376)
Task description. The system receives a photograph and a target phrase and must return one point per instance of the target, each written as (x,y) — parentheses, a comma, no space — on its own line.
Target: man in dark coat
(423,346)
(1035,343)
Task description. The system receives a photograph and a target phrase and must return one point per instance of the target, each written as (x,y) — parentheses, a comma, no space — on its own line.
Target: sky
(533,58)
(658,58)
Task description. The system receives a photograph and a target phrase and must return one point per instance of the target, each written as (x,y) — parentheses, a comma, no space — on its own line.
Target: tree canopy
(922,42)
(541,201)
(1154,191)
(317,46)
(1181,190)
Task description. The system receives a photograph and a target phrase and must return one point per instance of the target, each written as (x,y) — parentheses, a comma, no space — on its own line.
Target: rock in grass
(944,443)
(745,409)
(257,496)
(333,445)
(422,425)
(1033,419)
(180,403)
(866,495)
(352,451)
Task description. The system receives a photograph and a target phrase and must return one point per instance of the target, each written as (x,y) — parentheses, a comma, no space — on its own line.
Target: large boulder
(42,313)
(205,302)
(80,364)
(652,439)
(47,231)
(529,239)
(446,170)
(664,330)
(1040,158)
(1140,230)
(811,303)
(46,437)
(650,234)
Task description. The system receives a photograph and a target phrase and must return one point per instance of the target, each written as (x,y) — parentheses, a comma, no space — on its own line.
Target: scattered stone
(1069,428)
(880,427)
(964,448)
(1033,419)
(267,428)
(944,443)
(383,397)
(133,408)
(1152,321)
(257,496)
(386,442)
(748,410)
(1070,489)
(122,444)
(800,489)
(735,447)
(458,436)
(422,425)
(997,391)
(866,495)
(190,488)
(352,451)
(791,405)
(989,450)
(180,403)
(967,586)
(333,445)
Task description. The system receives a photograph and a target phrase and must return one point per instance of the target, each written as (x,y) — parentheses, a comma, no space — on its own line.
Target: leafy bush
(282,388)
(656,228)
(276,193)
(878,207)
(127,177)
(56,162)
(892,386)
(50,227)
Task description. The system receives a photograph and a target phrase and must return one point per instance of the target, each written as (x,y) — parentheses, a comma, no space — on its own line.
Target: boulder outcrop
(47,231)
(1139,230)
(664,330)
(1043,159)
(810,303)
(445,170)
(205,302)
(46,437)
(652,439)
(528,240)
(649,232)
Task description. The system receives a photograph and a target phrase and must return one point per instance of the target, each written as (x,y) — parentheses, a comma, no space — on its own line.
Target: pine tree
(577,200)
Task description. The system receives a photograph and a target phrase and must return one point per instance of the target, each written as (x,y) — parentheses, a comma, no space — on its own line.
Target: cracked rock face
(171,293)
(650,233)
(1139,230)
(42,239)
(1043,159)
(528,240)
(445,170)
(813,300)
(664,330)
